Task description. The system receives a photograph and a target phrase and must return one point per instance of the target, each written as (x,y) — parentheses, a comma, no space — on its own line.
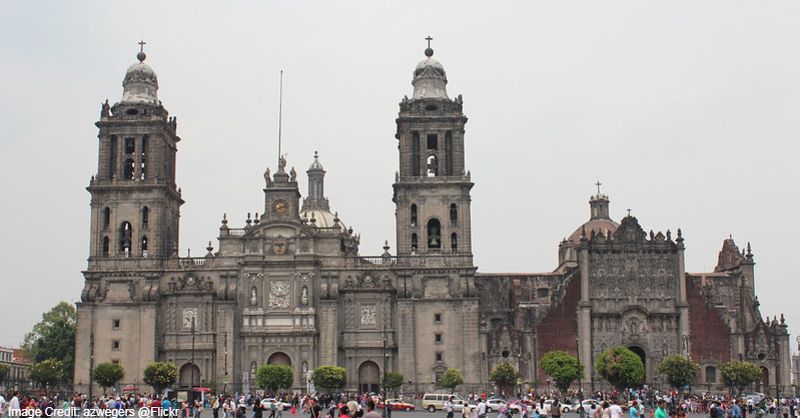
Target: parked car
(398,405)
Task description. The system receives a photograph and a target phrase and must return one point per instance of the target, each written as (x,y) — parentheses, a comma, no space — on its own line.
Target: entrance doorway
(189,375)
(639,351)
(369,376)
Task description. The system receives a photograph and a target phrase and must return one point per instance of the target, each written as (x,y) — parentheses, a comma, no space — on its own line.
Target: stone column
(584,309)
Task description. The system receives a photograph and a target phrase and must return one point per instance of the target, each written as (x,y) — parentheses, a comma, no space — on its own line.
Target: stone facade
(290,287)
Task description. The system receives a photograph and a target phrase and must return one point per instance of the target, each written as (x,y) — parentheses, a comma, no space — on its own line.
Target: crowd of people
(642,403)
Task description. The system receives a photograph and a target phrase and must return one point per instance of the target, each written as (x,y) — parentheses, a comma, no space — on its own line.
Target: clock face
(281,207)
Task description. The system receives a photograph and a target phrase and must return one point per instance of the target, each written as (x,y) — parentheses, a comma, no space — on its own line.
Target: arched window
(453,214)
(125,238)
(106,217)
(433,166)
(127,169)
(105,247)
(144,246)
(711,374)
(413,242)
(453,242)
(145,216)
(434,234)
(413,215)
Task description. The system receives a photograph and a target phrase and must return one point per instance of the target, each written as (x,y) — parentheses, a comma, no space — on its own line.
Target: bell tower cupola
(432,187)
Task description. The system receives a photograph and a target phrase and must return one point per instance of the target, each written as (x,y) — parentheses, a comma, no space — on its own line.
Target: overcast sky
(687,111)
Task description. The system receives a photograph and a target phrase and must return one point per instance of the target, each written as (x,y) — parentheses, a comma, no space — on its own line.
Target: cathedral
(290,286)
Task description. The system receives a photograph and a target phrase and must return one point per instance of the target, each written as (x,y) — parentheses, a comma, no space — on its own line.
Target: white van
(434,401)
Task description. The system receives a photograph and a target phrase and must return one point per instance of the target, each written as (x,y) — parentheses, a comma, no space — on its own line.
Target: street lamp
(191,385)
(580,378)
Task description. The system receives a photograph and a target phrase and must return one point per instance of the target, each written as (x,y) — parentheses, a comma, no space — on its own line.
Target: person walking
(555,409)
(482,409)
(449,407)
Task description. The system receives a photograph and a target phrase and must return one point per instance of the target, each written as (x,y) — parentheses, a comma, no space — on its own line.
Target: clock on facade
(281,207)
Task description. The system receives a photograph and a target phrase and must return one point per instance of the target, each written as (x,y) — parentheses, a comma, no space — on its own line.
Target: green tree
(107,375)
(504,376)
(54,338)
(3,372)
(621,367)
(329,377)
(392,381)
(49,372)
(160,375)
(562,368)
(738,374)
(451,379)
(679,370)
(272,377)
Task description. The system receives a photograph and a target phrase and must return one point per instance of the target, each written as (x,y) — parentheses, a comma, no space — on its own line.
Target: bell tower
(432,188)
(135,202)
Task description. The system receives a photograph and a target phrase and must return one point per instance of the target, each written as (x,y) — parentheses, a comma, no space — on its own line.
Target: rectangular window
(433,141)
(542,292)
(439,356)
(115,361)
(115,345)
(438,338)
(437,318)
(130,145)
(115,324)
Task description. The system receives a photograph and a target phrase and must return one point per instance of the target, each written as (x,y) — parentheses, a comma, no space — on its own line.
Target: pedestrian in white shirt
(615,410)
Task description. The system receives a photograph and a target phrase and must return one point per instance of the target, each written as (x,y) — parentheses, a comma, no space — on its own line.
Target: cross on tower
(629,213)
(142,43)
(598,184)
(429,39)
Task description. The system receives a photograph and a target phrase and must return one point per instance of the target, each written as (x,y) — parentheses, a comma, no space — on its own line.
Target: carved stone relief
(278,294)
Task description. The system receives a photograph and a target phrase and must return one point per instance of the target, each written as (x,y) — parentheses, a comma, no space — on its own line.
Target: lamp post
(91,362)
(580,378)
(191,384)
(225,365)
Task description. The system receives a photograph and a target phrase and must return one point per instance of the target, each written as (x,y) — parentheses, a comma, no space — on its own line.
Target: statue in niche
(253,296)
(304,296)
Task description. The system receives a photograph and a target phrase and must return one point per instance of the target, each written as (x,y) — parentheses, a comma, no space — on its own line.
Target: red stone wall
(711,336)
(559,328)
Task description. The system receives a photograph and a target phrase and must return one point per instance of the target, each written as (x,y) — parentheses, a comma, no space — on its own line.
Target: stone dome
(599,226)
(429,62)
(430,79)
(140,84)
(322,218)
